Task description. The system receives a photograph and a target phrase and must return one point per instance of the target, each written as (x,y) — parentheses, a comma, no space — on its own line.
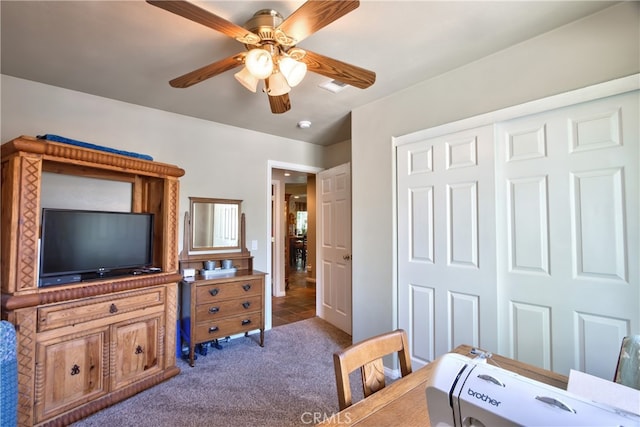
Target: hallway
(298,304)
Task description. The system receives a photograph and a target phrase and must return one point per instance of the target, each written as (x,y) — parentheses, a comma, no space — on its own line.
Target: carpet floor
(288,382)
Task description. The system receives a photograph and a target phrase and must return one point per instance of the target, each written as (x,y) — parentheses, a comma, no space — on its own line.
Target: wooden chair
(367,355)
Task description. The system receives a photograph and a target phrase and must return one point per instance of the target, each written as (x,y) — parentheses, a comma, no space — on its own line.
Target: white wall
(219,160)
(598,48)
(337,154)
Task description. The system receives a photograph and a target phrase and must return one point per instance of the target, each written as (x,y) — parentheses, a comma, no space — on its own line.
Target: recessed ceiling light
(334,86)
(304,124)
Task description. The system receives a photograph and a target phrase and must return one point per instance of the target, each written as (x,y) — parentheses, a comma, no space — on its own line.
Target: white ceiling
(129,50)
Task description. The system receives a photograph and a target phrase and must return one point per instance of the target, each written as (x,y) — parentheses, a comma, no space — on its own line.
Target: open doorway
(293,244)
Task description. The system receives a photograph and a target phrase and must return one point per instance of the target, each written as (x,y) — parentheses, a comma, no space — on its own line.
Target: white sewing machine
(465,392)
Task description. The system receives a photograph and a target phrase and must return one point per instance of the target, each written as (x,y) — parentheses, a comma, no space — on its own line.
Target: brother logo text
(483,397)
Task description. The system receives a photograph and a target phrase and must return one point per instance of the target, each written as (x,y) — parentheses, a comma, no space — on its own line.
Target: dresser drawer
(71,313)
(228,326)
(226,290)
(218,309)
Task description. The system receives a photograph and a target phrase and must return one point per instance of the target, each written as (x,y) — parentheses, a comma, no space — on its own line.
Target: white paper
(603,391)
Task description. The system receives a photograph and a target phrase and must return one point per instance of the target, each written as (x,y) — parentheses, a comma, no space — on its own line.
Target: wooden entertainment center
(85,346)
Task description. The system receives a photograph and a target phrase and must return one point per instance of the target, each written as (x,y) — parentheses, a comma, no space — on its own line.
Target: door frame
(277,270)
(277,285)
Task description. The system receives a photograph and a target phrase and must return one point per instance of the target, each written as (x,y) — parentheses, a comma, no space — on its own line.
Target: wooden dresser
(229,303)
(85,346)
(222,307)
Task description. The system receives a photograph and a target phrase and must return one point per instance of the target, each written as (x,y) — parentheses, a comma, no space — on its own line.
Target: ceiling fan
(271,53)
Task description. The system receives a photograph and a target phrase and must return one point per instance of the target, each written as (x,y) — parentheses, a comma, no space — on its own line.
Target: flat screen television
(77,245)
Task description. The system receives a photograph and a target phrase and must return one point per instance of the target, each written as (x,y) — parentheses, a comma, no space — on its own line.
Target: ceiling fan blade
(206,18)
(338,70)
(207,71)
(314,15)
(280,104)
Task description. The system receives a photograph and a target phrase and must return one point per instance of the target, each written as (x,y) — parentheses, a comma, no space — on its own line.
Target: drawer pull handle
(113,309)
(213,329)
(246,304)
(214,310)
(246,322)
(246,287)
(214,292)
(139,349)
(75,370)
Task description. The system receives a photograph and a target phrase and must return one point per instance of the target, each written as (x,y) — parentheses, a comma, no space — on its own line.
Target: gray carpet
(286,383)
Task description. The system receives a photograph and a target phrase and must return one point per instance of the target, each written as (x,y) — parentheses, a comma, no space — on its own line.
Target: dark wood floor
(298,304)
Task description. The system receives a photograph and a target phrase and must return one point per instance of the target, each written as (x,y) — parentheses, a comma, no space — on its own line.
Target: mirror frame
(189,236)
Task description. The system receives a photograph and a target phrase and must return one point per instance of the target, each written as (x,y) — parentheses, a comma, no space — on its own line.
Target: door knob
(346,257)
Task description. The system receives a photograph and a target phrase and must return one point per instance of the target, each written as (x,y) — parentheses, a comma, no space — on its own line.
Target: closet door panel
(522,236)
(446,243)
(567,206)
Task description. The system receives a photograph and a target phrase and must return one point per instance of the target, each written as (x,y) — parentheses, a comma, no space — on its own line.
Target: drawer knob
(139,349)
(214,292)
(246,287)
(75,370)
(214,310)
(113,309)
(246,304)
(246,322)
(213,329)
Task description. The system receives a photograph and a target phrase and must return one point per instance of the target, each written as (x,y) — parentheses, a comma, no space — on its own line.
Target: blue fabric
(56,138)
(8,375)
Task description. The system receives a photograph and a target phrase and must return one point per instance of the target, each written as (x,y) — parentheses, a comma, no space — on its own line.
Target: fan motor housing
(263,23)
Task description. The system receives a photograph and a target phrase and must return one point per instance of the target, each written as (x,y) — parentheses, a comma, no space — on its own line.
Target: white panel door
(567,196)
(446,243)
(333,278)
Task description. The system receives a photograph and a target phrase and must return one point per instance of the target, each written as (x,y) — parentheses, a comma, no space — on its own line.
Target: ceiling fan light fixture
(247,79)
(271,52)
(277,85)
(259,63)
(292,70)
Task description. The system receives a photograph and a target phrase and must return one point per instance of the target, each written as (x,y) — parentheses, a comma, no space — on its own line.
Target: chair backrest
(367,355)
(628,367)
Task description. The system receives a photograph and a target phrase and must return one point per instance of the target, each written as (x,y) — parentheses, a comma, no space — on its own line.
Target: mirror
(215,224)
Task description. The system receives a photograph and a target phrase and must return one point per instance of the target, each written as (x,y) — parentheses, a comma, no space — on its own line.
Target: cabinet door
(70,371)
(137,350)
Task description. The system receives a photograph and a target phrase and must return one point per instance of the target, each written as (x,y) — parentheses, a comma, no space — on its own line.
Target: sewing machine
(466,392)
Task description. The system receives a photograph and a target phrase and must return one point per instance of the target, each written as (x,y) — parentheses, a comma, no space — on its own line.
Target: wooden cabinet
(222,307)
(78,361)
(85,346)
(136,350)
(71,370)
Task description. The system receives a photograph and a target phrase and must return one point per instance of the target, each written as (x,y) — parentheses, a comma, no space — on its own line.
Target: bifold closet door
(446,243)
(568,260)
